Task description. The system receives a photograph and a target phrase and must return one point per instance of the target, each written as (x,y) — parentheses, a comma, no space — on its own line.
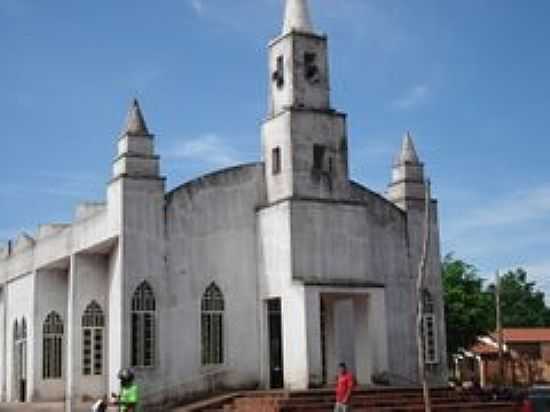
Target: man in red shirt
(344,387)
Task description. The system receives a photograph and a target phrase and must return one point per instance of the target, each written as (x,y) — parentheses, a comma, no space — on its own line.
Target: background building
(526,358)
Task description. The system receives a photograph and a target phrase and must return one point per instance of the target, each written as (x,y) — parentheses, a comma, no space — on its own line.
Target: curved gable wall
(212,237)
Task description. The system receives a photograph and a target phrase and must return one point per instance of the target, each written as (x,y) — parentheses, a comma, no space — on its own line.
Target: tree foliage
(467,305)
(470,306)
(522,304)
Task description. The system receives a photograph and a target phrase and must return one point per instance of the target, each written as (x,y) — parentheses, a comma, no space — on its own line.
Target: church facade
(264,275)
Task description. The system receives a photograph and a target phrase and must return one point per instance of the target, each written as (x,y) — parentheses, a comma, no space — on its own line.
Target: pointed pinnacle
(408,152)
(297,16)
(135,123)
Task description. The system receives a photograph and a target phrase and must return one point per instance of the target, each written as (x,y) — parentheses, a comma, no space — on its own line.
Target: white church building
(263,275)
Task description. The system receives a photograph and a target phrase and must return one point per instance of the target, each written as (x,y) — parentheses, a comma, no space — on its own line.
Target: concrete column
(32,335)
(371,342)
(3,337)
(313,330)
(72,337)
(116,319)
(377,335)
(379,332)
(363,347)
(295,353)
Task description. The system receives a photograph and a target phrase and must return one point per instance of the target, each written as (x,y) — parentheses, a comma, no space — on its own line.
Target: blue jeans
(340,407)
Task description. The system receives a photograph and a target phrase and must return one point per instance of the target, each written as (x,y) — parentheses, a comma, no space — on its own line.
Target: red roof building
(526,357)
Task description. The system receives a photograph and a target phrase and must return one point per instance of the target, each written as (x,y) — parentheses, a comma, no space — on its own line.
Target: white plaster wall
(347,244)
(143,258)
(316,96)
(295,132)
(275,271)
(136,144)
(2,345)
(212,238)
(274,268)
(327,129)
(21,304)
(280,97)
(276,132)
(51,295)
(53,248)
(297,91)
(296,362)
(312,303)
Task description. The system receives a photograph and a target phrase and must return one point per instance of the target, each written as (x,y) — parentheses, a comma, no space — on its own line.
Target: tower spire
(135,123)
(407,187)
(297,16)
(136,150)
(408,151)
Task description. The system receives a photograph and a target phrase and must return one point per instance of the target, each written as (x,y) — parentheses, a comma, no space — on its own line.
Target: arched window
(143,326)
(93,323)
(212,308)
(52,362)
(429,330)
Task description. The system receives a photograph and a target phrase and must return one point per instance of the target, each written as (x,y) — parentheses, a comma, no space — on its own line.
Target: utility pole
(420,300)
(499,328)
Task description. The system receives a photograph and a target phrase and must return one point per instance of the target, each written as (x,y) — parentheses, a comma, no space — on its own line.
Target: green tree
(522,303)
(468,306)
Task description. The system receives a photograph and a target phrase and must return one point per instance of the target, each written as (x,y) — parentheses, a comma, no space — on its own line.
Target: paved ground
(41,407)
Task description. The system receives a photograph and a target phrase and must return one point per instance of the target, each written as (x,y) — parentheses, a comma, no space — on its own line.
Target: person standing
(344,387)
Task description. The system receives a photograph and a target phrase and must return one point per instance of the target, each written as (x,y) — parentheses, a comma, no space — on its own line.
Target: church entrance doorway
(338,334)
(275,343)
(20,360)
(352,330)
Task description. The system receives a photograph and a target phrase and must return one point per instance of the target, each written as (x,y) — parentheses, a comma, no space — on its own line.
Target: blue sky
(469,78)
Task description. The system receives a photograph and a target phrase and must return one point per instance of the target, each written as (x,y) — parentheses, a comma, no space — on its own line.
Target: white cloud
(209,149)
(198,6)
(416,96)
(519,207)
(510,231)
(540,270)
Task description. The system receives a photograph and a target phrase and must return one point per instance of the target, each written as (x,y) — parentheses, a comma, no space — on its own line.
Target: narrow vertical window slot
(276,161)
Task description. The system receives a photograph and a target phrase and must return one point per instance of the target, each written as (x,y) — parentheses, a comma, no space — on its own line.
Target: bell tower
(304,139)
(298,61)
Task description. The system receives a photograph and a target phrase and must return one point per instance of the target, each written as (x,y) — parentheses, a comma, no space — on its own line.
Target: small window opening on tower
(279,74)
(311,69)
(330,164)
(319,156)
(276,161)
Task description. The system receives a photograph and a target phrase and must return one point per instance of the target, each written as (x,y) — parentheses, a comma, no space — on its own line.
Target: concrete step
(371,400)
